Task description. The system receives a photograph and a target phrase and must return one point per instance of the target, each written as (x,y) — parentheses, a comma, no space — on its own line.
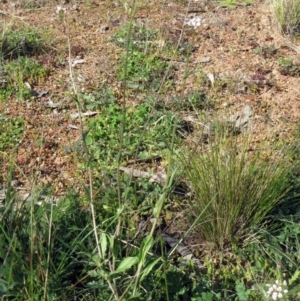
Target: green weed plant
(287,67)
(142,64)
(22,41)
(10,132)
(146,133)
(20,71)
(18,47)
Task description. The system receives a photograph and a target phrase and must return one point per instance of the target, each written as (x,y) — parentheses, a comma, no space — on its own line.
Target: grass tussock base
(234,189)
(287,15)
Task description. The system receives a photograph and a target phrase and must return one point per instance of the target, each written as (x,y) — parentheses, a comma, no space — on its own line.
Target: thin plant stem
(90,177)
(48,252)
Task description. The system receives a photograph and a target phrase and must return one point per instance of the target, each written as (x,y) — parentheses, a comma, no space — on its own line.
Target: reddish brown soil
(228,37)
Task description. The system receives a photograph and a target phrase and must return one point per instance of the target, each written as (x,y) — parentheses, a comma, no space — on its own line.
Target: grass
(240,188)
(22,55)
(102,240)
(233,3)
(23,40)
(287,15)
(103,134)
(19,72)
(143,57)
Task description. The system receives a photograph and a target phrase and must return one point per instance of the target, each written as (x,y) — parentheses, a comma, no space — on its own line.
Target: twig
(2,12)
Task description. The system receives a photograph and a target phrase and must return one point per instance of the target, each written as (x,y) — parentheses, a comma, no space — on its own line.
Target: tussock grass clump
(23,40)
(234,189)
(287,15)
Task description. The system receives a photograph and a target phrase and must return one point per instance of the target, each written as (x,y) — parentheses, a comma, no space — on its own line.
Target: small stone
(178,89)
(14,183)
(104,28)
(12,5)
(60,185)
(204,59)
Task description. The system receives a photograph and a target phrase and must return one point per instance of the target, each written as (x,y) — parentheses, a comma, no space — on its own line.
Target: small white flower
(194,21)
(276,291)
(274,296)
(60,9)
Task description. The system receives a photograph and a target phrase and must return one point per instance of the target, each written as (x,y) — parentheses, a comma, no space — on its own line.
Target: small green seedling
(10,132)
(287,67)
(233,3)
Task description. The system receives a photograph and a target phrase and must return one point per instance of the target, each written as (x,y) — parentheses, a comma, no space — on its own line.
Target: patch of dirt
(226,44)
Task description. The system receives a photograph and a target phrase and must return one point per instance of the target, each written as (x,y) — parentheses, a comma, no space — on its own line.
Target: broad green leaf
(126,264)
(149,268)
(205,296)
(96,260)
(103,243)
(294,291)
(63,204)
(145,247)
(111,242)
(98,273)
(3,287)
(242,292)
(295,277)
(88,140)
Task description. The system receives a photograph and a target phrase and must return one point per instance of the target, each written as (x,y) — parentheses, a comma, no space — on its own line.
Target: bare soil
(226,44)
